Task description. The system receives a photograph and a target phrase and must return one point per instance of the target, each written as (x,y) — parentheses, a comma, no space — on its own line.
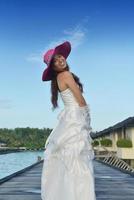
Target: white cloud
(76,36)
(35,57)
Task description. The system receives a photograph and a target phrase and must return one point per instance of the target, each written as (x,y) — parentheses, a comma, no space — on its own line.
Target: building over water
(122,139)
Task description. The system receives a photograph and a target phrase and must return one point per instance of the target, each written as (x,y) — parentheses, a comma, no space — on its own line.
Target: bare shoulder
(61,81)
(64,76)
(68,74)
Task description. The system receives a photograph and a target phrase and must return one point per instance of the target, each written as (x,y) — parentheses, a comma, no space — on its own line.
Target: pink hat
(63,49)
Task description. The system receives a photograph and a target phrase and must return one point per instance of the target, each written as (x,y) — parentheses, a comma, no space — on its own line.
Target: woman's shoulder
(62,80)
(64,74)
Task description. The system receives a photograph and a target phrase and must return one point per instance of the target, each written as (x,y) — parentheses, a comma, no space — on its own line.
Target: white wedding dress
(67,172)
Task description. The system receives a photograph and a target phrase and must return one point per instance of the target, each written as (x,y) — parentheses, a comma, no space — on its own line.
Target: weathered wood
(110,184)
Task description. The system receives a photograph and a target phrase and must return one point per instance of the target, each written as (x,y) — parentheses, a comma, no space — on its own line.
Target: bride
(67,172)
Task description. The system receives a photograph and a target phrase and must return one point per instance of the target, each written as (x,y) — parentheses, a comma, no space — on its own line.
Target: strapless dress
(68,172)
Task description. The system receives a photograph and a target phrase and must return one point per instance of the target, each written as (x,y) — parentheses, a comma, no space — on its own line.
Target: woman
(67,172)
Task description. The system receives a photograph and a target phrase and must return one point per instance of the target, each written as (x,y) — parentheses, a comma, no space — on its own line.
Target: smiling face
(59,63)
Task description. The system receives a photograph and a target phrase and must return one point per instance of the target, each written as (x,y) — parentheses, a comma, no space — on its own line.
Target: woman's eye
(55,61)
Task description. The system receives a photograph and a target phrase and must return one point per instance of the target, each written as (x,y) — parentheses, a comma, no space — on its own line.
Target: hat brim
(64,49)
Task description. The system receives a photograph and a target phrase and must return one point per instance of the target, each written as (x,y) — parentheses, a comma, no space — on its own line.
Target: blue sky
(102,36)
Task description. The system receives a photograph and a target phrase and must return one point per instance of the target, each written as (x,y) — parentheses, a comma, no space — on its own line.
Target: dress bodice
(74,112)
(68,98)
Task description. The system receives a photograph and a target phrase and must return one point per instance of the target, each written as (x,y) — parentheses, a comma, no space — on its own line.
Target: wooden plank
(110,184)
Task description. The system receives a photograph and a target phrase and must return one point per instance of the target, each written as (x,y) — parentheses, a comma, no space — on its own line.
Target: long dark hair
(55,88)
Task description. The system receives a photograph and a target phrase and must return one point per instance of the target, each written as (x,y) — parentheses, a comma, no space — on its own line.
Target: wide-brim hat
(63,49)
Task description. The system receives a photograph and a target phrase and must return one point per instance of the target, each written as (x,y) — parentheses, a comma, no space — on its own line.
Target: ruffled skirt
(67,172)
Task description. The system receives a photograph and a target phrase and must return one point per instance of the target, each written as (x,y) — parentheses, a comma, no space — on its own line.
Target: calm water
(12,162)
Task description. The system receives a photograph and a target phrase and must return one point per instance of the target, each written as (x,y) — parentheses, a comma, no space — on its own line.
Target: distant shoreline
(5,151)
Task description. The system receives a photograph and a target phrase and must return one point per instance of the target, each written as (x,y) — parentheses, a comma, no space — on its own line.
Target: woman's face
(59,63)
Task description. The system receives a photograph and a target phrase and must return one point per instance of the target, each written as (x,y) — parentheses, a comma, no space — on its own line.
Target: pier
(110,183)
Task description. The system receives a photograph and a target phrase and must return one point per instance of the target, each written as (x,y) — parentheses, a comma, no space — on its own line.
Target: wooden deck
(110,184)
